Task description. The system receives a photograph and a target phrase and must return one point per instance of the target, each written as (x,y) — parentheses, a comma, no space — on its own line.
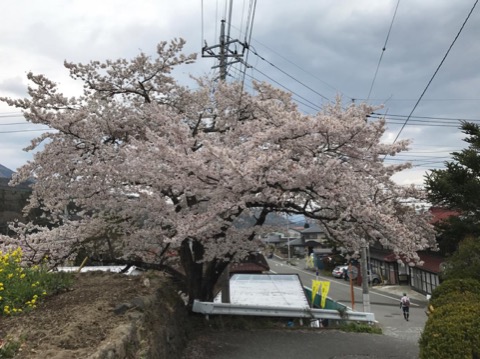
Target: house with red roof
(423,276)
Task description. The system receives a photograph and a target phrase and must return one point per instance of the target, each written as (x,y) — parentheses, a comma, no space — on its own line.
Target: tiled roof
(254,263)
(313,229)
(432,263)
(441,214)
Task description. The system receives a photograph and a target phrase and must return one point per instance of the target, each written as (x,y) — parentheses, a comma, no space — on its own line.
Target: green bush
(465,261)
(454,290)
(452,331)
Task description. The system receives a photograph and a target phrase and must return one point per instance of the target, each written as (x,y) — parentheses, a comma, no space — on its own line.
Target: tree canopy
(139,166)
(457,187)
(465,262)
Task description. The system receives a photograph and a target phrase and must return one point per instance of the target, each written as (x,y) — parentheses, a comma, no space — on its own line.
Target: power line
(316,107)
(15,123)
(312,105)
(379,115)
(436,71)
(425,99)
(383,50)
(290,76)
(301,68)
(248,27)
(19,131)
(6,115)
(426,124)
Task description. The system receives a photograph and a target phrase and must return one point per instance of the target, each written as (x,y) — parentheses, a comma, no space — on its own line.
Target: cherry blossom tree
(139,167)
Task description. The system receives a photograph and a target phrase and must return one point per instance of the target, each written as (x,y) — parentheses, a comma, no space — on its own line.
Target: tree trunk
(201,278)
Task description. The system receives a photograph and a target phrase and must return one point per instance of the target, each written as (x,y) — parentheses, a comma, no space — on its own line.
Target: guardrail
(210,308)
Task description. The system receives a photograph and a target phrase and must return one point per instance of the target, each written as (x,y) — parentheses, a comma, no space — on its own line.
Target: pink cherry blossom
(139,167)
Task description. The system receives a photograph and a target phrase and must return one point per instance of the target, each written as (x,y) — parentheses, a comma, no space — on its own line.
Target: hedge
(470,288)
(453,328)
(452,331)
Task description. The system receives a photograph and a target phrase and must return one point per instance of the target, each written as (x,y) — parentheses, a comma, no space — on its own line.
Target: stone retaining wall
(157,329)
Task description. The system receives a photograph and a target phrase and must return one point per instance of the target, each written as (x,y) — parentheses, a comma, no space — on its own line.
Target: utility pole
(223,53)
(364,265)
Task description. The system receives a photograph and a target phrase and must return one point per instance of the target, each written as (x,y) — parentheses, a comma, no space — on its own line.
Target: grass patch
(360,328)
(9,348)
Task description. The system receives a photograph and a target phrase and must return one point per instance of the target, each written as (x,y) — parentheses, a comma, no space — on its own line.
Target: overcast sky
(317,49)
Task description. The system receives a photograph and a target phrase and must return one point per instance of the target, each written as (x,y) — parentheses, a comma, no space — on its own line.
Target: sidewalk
(398,291)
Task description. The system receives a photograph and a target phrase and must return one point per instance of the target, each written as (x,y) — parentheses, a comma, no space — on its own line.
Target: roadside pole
(366,294)
(352,294)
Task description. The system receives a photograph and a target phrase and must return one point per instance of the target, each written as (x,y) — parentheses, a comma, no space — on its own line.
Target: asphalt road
(307,344)
(399,339)
(384,302)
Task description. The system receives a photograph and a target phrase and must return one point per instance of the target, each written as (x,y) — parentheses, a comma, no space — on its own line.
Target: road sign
(353,272)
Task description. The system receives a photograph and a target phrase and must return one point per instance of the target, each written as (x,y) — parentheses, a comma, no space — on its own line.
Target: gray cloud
(331,47)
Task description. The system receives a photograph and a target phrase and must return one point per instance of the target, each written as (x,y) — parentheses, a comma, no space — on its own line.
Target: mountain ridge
(5,172)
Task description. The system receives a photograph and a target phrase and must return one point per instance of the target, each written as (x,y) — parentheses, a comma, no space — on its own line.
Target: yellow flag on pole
(325,289)
(315,287)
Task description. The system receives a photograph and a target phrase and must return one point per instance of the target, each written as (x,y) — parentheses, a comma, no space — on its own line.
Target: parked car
(339,271)
(373,278)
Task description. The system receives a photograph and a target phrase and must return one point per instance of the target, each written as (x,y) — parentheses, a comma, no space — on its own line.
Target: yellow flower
(10,275)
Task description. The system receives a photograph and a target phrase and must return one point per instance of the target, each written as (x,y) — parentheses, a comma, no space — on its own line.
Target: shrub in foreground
(452,331)
(450,289)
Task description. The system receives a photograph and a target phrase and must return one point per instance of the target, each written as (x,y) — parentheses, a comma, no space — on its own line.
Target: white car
(339,271)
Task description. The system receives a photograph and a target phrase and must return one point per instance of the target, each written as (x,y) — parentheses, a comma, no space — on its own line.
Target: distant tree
(150,169)
(452,231)
(457,187)
(465,262)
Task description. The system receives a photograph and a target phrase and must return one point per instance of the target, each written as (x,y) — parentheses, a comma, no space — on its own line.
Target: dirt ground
(73,324)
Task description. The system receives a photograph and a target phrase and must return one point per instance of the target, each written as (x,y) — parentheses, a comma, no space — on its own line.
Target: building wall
(423,281)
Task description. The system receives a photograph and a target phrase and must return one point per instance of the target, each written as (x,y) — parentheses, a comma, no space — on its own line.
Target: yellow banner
(325,289)
(315,286)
